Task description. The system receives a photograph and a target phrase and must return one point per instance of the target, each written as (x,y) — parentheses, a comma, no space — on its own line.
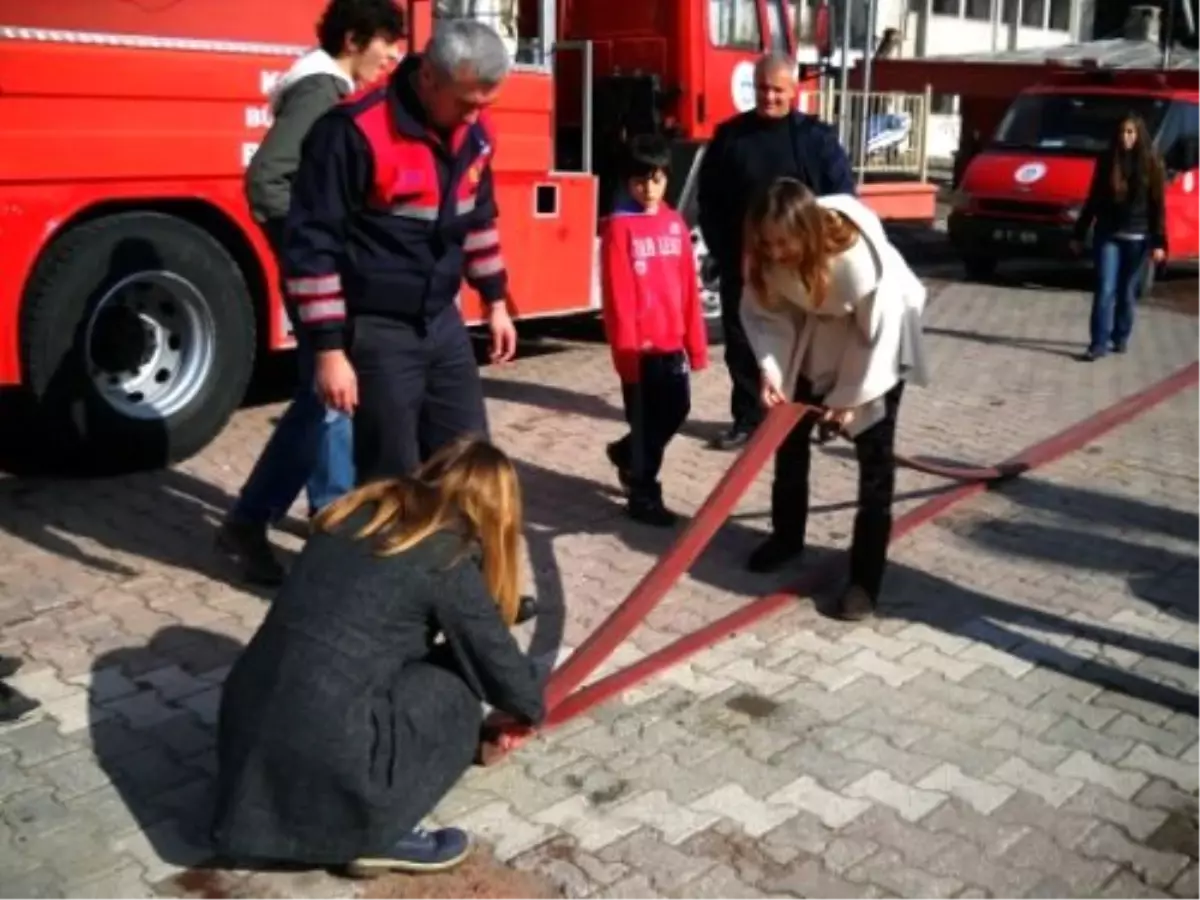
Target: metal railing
(883,132)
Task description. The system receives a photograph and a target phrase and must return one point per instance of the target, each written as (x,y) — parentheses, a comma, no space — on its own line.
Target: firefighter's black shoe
(246,543)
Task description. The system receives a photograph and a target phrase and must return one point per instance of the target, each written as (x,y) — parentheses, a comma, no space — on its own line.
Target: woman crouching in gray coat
(833,314)
(358,703)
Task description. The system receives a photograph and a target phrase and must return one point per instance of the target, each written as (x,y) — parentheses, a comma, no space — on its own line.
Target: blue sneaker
(418,851)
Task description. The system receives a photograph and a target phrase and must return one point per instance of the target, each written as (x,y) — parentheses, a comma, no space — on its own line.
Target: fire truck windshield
(1073,123)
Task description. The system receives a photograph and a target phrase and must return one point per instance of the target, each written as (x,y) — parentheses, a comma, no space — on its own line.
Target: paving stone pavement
(1019,721)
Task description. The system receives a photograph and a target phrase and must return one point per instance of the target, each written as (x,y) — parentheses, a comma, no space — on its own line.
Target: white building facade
(951,28)
(946,27)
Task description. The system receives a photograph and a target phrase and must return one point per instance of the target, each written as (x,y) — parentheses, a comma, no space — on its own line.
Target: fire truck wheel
(138,339)
(980,268)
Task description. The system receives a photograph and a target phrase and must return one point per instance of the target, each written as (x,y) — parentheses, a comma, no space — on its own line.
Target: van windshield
(1073,123)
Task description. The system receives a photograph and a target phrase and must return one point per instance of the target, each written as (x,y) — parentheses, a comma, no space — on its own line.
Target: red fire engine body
(136,290)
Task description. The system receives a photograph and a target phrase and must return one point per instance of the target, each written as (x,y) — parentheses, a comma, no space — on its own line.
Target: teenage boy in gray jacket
(310,444)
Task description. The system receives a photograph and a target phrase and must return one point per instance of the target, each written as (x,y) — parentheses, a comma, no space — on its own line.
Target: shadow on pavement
(166,516)
(165,770)
(1163,578)
(566,401)
(164,763)
(1052,348)
(909,594)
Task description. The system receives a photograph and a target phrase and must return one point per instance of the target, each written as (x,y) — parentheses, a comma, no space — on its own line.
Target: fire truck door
(734,38)
(1179,149)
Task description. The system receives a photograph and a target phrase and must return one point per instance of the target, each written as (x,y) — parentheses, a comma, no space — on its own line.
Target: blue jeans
(1119,267)
(311,444)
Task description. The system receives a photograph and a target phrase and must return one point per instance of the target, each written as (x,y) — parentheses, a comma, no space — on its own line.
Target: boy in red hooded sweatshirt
(654,322)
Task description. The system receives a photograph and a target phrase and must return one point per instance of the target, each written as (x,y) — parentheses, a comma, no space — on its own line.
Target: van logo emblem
(1028,173)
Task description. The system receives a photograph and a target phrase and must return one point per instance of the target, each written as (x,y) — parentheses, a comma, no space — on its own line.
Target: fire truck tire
(980,268)
(138,341)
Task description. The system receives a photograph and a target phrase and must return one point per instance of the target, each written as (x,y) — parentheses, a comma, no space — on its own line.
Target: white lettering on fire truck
(267,79)
(259,116)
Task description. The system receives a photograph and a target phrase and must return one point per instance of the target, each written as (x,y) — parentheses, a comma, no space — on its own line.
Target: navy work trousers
(418,390)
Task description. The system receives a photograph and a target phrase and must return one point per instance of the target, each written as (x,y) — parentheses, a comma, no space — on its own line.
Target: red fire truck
(1031,158)
(136,291)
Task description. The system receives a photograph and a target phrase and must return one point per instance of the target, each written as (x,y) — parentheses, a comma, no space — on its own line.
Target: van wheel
(137,338)
(979,268)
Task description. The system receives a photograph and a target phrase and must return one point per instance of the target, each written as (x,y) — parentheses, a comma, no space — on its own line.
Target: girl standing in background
(1125,202)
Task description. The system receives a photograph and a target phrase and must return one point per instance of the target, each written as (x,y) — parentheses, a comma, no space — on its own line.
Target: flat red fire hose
(566,699)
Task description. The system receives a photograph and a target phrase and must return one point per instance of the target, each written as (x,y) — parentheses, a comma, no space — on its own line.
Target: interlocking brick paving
(1020,720)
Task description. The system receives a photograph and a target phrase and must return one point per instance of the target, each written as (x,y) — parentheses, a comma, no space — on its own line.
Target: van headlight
(1072,213)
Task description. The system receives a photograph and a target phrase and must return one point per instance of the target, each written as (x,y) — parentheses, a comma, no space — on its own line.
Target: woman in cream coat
(833,314)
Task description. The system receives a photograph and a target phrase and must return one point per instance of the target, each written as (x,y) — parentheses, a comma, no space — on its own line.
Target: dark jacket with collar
(746,154)
(387,217)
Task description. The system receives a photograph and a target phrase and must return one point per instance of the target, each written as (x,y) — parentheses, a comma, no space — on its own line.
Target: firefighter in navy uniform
(392,206)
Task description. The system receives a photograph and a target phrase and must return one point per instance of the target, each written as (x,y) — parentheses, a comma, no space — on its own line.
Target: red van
(1021,195)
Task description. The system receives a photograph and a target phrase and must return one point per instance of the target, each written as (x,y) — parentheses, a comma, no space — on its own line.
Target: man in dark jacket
(394,204)
(310,444)
(747,153)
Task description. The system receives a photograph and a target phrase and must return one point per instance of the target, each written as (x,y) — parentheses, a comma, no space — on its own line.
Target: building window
(734,23)
(1010,12)
(946,7)
(1033,13)
(979,9)
(1060,15)
(777,19)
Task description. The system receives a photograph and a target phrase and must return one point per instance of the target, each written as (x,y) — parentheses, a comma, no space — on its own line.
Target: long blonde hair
(468,486)
(817,235)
